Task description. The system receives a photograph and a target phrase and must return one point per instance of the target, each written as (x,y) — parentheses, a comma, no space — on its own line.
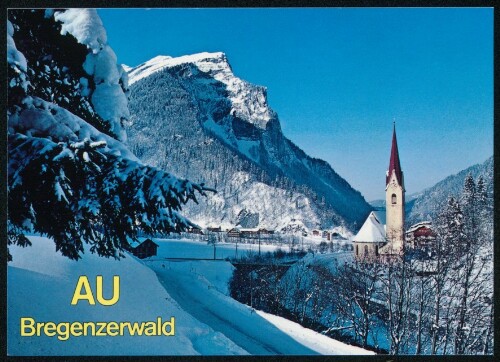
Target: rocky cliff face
(192,115)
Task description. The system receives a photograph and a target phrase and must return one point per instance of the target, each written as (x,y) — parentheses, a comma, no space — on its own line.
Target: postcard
(250,181)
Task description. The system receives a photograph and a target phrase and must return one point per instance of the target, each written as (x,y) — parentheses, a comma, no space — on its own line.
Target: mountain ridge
(424,205)
(235,113)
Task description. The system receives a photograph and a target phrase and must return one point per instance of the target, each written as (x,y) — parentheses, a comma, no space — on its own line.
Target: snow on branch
(109,97)
(75,193)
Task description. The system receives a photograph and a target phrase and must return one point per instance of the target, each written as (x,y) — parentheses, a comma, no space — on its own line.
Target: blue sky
(338,78)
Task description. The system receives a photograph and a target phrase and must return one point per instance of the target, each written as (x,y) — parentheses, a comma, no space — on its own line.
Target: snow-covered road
(223,314)
(207,321)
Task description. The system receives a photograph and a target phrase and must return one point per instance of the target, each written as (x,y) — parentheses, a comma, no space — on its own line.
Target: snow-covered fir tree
(70,177)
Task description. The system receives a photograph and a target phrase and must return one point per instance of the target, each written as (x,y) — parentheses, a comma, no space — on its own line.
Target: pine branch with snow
(74,193)
(69,175)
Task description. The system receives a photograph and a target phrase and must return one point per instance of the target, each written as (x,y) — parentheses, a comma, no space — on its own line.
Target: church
(382,235)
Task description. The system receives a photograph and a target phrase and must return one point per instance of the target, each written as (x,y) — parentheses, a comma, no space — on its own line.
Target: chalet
(249,233)
(263,231)
(338,237)
(316,232)
(234,233)
(196,231)
(214,229)
(420,235)
(266,233)
(145,249)
(327,235)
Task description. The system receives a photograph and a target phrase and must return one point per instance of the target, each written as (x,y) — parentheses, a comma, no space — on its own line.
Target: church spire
(394,164)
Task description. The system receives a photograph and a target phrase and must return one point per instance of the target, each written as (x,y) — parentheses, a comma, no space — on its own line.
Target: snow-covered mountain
(193,116)
(427,203)
(424,205)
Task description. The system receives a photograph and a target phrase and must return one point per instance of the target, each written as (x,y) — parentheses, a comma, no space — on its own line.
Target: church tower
(394,201)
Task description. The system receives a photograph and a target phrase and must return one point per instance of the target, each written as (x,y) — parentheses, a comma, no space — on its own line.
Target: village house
(234,233)
(266,233)
(253,233)
(144,249)
(420,236)
(316,232)
(195,231)
(249,233)
(217,229)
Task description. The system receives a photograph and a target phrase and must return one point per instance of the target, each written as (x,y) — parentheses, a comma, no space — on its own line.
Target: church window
(394,199)
(366,249)
(357,250)
(376,250)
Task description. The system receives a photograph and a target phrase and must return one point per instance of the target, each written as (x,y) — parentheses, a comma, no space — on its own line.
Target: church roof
(372,231)
(380,214)
(394,164)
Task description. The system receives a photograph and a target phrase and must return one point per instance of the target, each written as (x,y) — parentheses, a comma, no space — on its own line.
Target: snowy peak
(248,101)
(224,133)
(206,61)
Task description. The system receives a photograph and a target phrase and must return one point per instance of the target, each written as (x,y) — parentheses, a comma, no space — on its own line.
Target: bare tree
(357,289)
(397,284)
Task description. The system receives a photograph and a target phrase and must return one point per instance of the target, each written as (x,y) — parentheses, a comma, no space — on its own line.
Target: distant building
(373,239)
(145,249)
(264,231)
(336,236)
(253,233)
(369,239)
(195,231)
(327,235)
(316,232)
(234,233)
(215,229)
(249,233)
(420,236)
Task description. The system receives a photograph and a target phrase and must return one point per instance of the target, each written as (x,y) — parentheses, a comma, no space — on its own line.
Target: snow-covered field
(314,340)
(201,250)
(41,284)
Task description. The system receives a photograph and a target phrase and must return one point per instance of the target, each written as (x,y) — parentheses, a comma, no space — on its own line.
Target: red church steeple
(394,164)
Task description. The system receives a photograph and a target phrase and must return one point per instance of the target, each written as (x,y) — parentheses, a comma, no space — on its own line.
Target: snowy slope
(312,339)
(200,287)
(428,202)
(41,284)
(208,322)
(246,328)
(192,115)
